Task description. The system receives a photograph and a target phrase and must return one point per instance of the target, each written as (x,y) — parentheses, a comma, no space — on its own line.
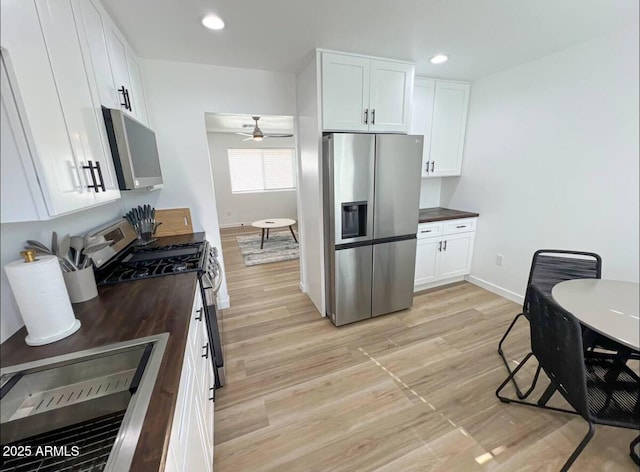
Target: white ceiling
(480,36)
(227,123)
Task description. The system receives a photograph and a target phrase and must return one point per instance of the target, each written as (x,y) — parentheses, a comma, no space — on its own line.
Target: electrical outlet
(499,259)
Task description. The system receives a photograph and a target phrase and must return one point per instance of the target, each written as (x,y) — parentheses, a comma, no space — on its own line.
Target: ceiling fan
(258,135)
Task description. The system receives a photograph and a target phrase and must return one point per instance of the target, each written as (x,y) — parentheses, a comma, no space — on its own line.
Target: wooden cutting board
(174,221)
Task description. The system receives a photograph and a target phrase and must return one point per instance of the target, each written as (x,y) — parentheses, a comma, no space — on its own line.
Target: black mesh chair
(548,268)
(579,375)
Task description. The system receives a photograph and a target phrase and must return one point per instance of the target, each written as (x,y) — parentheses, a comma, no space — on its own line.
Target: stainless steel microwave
(134,150)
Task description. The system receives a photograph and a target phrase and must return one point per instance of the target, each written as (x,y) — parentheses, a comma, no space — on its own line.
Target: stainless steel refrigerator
(371,188)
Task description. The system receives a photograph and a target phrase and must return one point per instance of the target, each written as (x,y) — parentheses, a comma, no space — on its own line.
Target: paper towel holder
(67,324)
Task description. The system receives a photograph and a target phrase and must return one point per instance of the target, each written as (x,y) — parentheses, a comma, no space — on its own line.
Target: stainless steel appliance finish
(371,189)
(134,150)
(352,284)
(392,285)
(396,185)
(120,232)
(63,391)
(351,161)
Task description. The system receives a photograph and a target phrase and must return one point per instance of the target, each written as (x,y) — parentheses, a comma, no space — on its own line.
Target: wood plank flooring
(410,391)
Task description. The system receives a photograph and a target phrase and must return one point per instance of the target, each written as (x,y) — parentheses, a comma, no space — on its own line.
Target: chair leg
(579,449)
(632,452)
(519,393)
(504,399)
(510,378)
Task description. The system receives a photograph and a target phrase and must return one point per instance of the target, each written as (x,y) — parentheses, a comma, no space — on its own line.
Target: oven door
(214,327)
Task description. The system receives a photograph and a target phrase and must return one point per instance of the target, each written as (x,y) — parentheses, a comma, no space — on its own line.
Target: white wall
(551,161)
(430,192)
(235,209)
(14,236)
(310,225)
(178,95)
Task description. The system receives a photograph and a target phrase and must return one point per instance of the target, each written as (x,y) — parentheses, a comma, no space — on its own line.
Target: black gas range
(125,261)
(157,261)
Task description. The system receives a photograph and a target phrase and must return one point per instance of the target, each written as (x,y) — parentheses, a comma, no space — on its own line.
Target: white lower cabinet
(444,252)
(191,443)
(427,260)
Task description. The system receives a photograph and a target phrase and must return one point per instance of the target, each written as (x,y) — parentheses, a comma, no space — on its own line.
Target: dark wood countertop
(122,312)
(429,215)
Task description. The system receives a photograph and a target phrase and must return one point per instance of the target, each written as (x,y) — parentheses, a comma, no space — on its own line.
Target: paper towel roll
(42,298)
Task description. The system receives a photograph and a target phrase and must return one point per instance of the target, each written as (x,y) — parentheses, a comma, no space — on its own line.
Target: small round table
(610,307)
(274,223)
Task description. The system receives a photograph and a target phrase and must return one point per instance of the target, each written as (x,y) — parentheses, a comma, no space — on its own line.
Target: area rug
(279,247)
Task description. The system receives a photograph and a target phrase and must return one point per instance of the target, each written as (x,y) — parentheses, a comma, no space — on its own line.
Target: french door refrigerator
(371,188)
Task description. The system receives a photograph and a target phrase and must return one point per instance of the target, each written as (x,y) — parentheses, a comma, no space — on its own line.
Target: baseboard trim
(235,225)
(437,283)
(503,292)
(302,289)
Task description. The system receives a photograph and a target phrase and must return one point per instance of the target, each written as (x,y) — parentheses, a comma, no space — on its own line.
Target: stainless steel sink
(99,396)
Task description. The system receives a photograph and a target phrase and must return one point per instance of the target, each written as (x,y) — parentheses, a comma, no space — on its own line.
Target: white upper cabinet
(439,112)
(363,94)
(116,70)
(126,76)
(345,92)
(92,26)
(449,125)
(390,96)
(422,116)
(51,91)
(136,97)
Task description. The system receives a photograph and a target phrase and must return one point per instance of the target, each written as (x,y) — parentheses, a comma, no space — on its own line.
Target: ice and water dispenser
(354,219)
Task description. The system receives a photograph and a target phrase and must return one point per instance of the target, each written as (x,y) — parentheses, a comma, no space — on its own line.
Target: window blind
(261,170)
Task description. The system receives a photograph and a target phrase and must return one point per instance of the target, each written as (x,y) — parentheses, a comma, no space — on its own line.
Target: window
(261,170)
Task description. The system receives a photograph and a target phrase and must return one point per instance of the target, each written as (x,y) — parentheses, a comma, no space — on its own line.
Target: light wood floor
(410,391)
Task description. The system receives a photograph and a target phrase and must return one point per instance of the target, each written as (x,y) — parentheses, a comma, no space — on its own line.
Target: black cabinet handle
(94,184)
(100,176)
(433,163)
(126,94)
(123,91)
(426,230)
(366,116)
(373,116)
(199,318)
(213,395)
(440,246)
(206,351)
(125,97)
(444,248)
(427,167)
(461,226)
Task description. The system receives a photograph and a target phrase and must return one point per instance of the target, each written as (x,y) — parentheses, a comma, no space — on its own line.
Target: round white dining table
(610,307)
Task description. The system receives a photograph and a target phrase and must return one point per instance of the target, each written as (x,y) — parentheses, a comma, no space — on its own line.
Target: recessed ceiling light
(439,59)
(213,22)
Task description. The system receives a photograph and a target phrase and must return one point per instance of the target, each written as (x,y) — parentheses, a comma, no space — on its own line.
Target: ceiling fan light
(257,138)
